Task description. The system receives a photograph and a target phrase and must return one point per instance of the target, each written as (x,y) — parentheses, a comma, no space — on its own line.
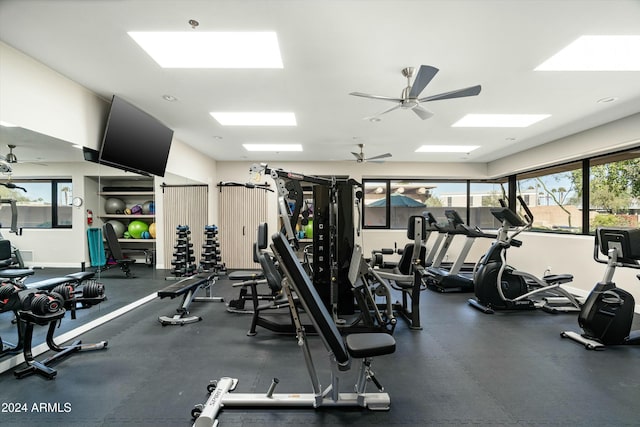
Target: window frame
(511,181)
(53,209)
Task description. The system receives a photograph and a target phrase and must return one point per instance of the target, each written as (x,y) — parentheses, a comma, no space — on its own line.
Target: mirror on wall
(55,189)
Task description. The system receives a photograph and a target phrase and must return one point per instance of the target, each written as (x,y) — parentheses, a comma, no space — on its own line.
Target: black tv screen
(135,140)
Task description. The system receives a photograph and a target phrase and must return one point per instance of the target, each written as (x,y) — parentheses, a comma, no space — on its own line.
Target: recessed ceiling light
(255,119)
(607,100)
(499,120)
(447,148)
(374,119)
(272,147)
(169,98)
(211,49)
(597,53)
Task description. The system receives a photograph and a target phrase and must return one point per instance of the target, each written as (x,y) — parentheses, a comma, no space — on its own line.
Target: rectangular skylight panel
(211,49)
(597,53)
(447,148)
(272,147)
(255,119)
(499,120)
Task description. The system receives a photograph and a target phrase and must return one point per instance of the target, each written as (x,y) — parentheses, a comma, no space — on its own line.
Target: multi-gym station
(368,213)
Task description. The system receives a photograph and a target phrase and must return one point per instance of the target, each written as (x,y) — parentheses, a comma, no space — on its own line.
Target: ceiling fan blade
(383,98)
(422,112)
(358,156)
(468,91)
(424,76)
(395,107)
(380,156)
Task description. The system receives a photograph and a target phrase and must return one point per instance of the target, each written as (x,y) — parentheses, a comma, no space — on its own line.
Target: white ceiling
(333,47)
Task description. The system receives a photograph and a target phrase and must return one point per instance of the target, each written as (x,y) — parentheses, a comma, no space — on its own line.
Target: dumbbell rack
(211,260)
(183,259)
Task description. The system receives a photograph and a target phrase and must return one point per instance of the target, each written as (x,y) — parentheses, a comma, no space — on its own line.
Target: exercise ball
(149,208)
(136,210)
(152,230)
(308,230)
(136,228)
(118,227)
(114,206)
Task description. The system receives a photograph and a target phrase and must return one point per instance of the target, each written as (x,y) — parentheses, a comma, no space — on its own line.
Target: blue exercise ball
(149,208)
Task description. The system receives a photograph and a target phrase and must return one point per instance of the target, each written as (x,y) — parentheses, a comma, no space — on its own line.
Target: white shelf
(126,193)
(123,216)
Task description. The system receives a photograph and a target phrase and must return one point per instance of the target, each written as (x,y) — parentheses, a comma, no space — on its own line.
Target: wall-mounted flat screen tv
(135,140)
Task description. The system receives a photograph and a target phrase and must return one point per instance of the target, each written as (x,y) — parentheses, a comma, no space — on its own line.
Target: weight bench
(362,346)
(252,279)
(187,288)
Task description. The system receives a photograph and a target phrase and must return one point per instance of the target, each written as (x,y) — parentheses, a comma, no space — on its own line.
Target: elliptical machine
(608,311)
(499,286)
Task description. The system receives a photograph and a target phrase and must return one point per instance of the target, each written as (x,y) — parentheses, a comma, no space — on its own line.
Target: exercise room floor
(463,368)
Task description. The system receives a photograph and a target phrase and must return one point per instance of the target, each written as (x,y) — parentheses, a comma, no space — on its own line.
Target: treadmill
(456,276)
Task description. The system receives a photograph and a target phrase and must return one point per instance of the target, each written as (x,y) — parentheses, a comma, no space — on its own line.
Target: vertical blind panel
(184,206)
(241,210)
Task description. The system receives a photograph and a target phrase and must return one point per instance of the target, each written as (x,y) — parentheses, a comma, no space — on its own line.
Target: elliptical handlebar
(528,214)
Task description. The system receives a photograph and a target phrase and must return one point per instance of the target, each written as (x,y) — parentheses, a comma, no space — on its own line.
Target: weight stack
(211,260)
(183,258)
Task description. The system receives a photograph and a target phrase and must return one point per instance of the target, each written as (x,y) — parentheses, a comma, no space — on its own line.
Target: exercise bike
(499,286)
(608,311)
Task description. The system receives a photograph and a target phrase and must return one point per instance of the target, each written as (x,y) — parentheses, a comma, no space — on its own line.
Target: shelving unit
(130,199)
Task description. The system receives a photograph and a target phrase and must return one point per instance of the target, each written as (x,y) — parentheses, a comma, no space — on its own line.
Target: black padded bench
(187,288)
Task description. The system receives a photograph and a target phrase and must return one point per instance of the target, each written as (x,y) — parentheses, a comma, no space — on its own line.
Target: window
(486,195)
(554,197)
(375,212)
(614,190)
(44,204)
(390,203)
(575,198)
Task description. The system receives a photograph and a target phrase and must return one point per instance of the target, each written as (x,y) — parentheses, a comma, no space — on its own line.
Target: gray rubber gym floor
(463,368)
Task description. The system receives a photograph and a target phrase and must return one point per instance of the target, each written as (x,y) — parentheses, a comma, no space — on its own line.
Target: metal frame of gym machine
(607,314)
(363,346)
(552,296)
(327,250)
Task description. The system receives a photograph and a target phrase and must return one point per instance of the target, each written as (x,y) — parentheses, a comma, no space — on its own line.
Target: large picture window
(614,190)
(572,198)
(42,203)
(554,197)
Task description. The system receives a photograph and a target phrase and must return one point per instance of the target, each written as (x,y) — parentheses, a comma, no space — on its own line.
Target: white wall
(37,98)
(617,135)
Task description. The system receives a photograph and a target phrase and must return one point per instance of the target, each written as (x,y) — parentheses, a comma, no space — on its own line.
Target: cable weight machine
(333,230)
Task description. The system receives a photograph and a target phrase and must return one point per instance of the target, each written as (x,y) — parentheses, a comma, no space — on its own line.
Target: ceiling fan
(12,159)
(361,158)
(409,100)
